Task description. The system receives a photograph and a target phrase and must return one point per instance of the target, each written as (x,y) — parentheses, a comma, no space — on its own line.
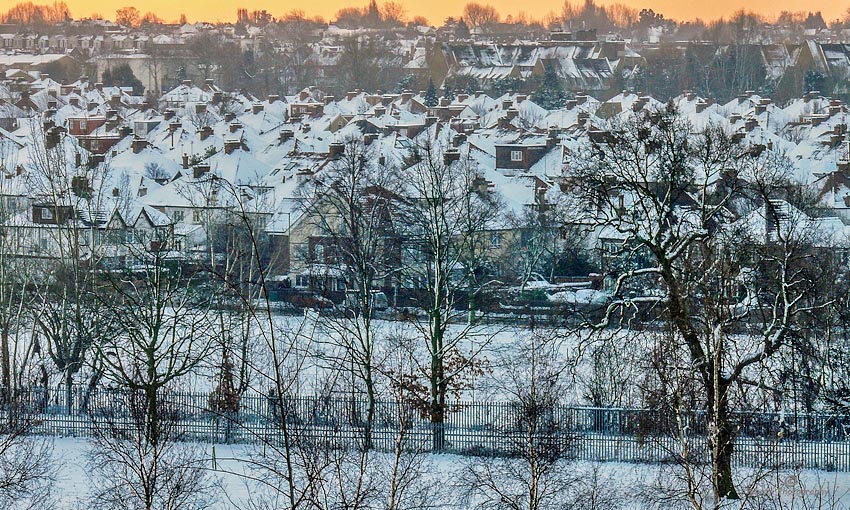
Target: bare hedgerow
(27,465)
(131,468)
(537,473)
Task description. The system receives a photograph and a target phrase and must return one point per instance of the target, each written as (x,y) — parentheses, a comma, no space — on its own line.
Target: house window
(197,216)
(516,155)
(177,216)
(46,214)
(84,124)
(495,240)
(42,244)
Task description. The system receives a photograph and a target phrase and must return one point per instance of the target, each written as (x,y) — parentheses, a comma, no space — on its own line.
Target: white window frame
(495,240)
(516,156)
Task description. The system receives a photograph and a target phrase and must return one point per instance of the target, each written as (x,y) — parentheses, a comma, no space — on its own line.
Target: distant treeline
(28,13)
(572,15)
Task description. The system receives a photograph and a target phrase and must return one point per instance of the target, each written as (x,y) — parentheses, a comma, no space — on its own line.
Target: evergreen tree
(122,76)
(372,15)
(550,94)
(181,75)
(448,92)
(501,86)
(405,83)
(431,95)
(813,81)
(462,30)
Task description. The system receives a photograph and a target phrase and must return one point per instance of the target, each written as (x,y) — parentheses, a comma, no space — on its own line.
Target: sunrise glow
(436,11)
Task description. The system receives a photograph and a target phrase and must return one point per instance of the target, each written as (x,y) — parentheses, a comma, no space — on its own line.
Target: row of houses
(128,175)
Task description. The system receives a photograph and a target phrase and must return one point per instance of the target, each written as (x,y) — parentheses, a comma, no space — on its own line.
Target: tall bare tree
(534,475)
(162,322)
(726,262)
(445,220)
(66,180)
(351,205)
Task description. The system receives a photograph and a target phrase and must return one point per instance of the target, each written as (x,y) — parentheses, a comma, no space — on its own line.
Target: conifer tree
(431,95)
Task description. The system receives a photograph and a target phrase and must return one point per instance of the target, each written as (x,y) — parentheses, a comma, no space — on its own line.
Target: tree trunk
(152,408)
(6,366)
(437,384)
(721,442)
(370,406)
(69,390)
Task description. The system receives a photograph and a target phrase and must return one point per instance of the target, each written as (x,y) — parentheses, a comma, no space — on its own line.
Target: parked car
(310,300)
(379,300)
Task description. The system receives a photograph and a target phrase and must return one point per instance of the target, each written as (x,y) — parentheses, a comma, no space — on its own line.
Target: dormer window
(495,240)
(46,214)
(516,155)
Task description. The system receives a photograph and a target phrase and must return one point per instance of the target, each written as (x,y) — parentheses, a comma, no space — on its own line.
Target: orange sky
(437,10)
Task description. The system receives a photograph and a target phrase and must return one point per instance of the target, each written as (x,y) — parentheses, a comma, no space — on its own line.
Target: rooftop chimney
(450,156)
(200,170)
(139,144)
(231,145)
(336,149)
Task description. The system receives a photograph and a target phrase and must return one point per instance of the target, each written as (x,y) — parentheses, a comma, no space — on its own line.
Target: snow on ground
(623,486)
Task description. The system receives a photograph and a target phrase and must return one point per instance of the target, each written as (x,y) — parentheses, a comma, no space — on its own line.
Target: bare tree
(477,15)
(407,485)
(162,323)
(17,349)
(721,257)
(27,472)
(534,475)
(445,221)
(350,206)
(67,181)
(128,470)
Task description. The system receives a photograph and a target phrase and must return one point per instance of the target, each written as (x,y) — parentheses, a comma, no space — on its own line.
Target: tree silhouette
(122,76)
(431,95)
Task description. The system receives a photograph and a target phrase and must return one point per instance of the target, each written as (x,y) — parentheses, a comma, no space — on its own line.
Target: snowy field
(609,485)
(595,486)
